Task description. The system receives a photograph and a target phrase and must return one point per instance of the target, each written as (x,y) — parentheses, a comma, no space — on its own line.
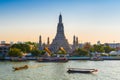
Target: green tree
(82,52)
(92,49)
(14,52)
(43,52)
(108,49)
(33,44)
(98,48)
(36,52)
(23,47)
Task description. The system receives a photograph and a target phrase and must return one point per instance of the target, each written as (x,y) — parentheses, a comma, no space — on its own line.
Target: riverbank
(89,58)
(69,58)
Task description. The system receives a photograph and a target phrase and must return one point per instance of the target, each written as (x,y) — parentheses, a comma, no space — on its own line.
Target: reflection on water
(107,70)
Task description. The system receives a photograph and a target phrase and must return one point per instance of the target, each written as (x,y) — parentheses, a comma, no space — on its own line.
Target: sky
(89,20)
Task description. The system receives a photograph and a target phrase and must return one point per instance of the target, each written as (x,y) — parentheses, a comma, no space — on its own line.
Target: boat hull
(20,68)
(53,60)
(81,70)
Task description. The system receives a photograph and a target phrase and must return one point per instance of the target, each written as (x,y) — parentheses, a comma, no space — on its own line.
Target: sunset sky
(90,20)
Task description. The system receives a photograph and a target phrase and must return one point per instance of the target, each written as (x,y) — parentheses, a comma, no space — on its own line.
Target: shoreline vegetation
(30,51)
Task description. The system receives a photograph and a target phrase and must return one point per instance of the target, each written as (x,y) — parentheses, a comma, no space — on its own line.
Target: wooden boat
(78,70)
(20,68)
(52,60)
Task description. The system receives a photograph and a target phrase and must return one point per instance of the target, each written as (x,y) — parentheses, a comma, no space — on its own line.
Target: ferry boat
(79,70)
(17,59)
(96,59)
(53,59)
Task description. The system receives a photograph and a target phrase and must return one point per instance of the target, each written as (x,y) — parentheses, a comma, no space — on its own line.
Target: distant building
(19,42)
(11,43)
(4,49)
(75,43)
(48,42)
(3,42)
(113,45)
(98,42)
(80,45)
(40,43)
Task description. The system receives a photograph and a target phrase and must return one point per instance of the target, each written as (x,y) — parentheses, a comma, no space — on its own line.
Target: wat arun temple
(59,40)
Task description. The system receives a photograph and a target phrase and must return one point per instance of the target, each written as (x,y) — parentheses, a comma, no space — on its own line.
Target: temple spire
(60,18)
(48,42)
(74,40)
(40,40)
(60,27)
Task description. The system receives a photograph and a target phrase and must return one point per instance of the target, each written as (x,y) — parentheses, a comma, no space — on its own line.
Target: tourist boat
(20,68)
(18,59)
(96,59)
(52,59)
(78,70)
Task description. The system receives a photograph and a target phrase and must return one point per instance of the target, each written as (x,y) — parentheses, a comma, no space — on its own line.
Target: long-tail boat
(20,68)
(79,70)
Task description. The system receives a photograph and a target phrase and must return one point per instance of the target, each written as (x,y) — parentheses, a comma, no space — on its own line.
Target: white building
(113,45)
(4,48)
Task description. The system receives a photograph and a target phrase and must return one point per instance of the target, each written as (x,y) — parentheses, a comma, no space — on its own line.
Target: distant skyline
(89,20)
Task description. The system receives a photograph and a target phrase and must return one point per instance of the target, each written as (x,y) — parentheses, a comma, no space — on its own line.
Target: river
(107,70)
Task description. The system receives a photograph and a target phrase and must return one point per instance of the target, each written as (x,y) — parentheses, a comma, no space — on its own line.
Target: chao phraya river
(107,70)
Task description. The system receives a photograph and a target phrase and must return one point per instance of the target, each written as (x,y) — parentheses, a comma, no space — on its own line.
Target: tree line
(87,49)
(18,50)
